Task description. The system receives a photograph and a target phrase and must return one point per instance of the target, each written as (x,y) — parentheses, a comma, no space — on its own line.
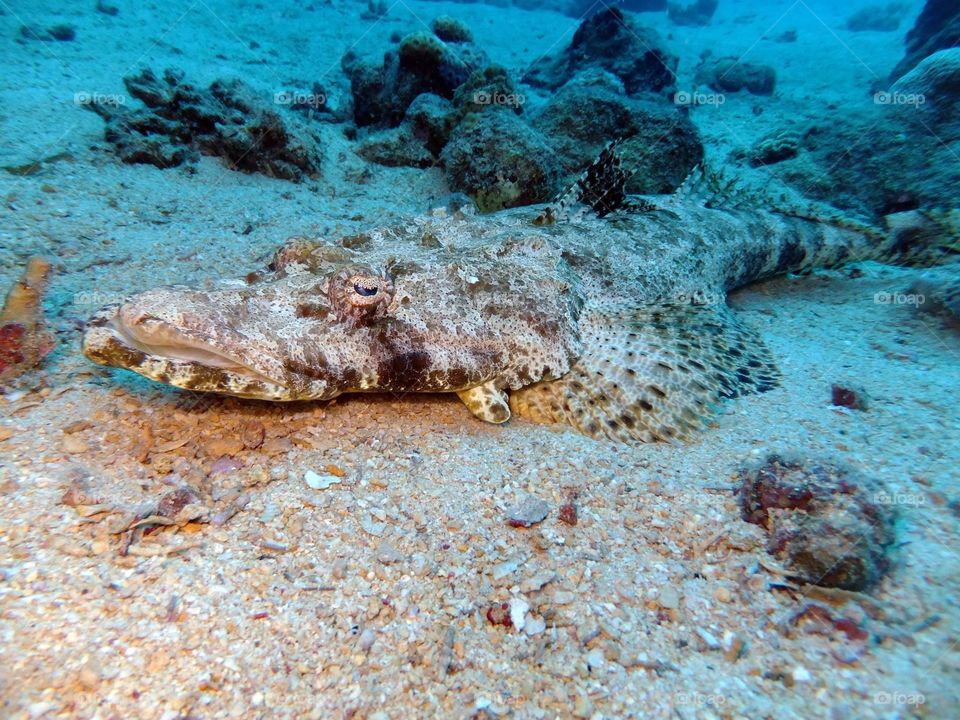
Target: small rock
(668,598)
(528,512)
(534,625)
(387,554)
(176,500)
(849,397)
(366,640)
(371,526)
(595,659)
(582,707)
(518,612)
(218,447)
(252,434)
(320,482)
(73,444)
(5,433)
(536,582)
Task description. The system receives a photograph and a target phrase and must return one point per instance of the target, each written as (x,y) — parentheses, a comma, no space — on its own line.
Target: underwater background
(168,553)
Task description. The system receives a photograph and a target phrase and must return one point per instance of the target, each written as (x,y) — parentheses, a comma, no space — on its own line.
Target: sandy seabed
(367,595)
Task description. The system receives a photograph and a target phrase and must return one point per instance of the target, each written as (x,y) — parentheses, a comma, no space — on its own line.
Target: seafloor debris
(849,396)
(228,120)
(827,524)
(24,336)
(529,511)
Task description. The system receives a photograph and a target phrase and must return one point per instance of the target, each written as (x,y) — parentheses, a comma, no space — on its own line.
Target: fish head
(324,319)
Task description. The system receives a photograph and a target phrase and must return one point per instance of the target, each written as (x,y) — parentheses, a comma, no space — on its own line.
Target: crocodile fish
(604,312)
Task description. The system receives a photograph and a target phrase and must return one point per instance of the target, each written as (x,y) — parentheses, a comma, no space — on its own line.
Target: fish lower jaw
(178,361)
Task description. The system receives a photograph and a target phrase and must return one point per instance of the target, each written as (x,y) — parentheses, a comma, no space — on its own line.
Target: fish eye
(364,291)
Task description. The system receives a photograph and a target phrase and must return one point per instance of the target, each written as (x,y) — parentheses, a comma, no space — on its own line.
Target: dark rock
(395,147)
(889,155)
(499,161)
(417,142)
(663,143)
(228,120)
(878,18)
(775,148)
(107,9)
(430,119)
(728,74)
(787,36)
(61,33)
(617,44)
(849,397)
(698,13)
(450,29)
(488,89)
(423,63)
(828,525)
(936,28)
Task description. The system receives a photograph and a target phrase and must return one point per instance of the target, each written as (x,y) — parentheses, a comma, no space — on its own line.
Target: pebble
(595,659)
(582,707)
(518,612)
(5,433)
(73,444)
(534,625)
(366,640)
(371,526)
(668,598)
(388,554)
(536,582)
(316,481)
(528,512)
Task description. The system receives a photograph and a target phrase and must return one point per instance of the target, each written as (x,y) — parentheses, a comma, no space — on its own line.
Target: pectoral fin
(487,402)
(653,373)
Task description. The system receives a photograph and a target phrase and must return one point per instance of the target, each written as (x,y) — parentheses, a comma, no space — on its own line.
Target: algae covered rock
(877,18)
(450,29)
(228,120)
(610,41)
(418,140)
(500,162)
(937,28)
(730,74)
(663,144)
(422,63)
(827,524)
(490,88)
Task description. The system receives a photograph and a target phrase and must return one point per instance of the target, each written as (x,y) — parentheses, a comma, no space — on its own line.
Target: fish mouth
(119,336)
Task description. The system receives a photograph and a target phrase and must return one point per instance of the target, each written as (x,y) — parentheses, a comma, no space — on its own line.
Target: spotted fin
(652,373)
(600,190)
(487,402)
